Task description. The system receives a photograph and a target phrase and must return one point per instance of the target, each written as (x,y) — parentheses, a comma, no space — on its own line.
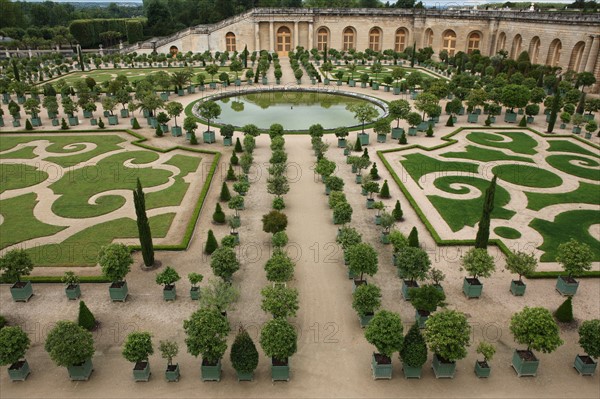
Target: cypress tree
(86,319)
(523,121)
(555,107)
(581,104)
(219,216)
(402,140)
(80,56)
(413,238)
(28,125)
(225,195)
(450,122)
(63,124)
(136,124)
(374,172)
(193,139)
(230,174)
(397,212)
(16,70)
(238,145)
(143,225)
(357,145)
(412,58)
(564,313)
(234,160)
(385,190)
(483,233)
(211,243)
(429,132)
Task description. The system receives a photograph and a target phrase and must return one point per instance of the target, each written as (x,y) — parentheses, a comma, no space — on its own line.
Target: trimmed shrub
(397,212)
(413,238)
(225,194)
(136,124)
(86,319)
(219,215)
(385,190)
(211,243)
(564,313)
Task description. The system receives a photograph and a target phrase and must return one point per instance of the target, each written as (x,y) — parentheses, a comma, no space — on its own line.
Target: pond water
(294,110)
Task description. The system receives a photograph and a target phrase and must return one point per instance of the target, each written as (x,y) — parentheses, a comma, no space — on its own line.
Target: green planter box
(87,114)
(421,317)
(124,113)
(443,369)
(36,121)
(73,291)
(211,372)
(530,119)
(341,143)
(510,117)
(364,320)
(375,86)
(386,89)
(113,120)
(19,371)
(169,293)
(472,118)
(208,136)
(381,138)
(94,122)
(370,203)
(588,136)
(351,83)
(482,371)
(118,291)
(364,138)
(351,275)
(517,288)
(16,123)
(164,96)
(354,169)
(195,293)
(525,367)
(164,128)
(244,376)
(576,130)
(423,126)
(396,91)
(381,371)
(55,122)
(412,131)
(411,372)
(141,372)
(73,121)
(585,365)
(377,220)
(176,131)
(566,288)
(397,132)
(280,371)
(472,288)
(172,373)
(22,291)
(227,142)
(358,179)
(406,286)
(81,372)
(339,82)
(264,81)
(385,238)
(180,93)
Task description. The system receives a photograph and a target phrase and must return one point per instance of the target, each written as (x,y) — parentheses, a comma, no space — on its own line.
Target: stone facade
(568,40)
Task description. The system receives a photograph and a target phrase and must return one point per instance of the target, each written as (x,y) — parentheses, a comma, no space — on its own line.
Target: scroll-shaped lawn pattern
(15,176)
(567,225)
(78,186)
(576,165)
(517,142)
(484,155)
(567,146)
(459,213)
(174,194)
(419,165)
(527,176)
(585,194)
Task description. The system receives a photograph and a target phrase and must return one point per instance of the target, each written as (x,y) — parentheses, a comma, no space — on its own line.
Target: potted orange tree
(278,338)
(71,346)
(482,367)
(14,342)
(575,257)
(16,263)
(115,261)
(589,340)
(366,299)
(478,263)
(168,350)
(522,264)
(413,265)
(137,349)
(385,332)
(447,334)
(168,278)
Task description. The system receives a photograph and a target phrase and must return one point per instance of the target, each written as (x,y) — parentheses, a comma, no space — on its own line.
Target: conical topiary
(225,195)
(234,160)
(365,154)
(357,145)
(193,139)
(230,174)
(28,125)
(374,172)
(135,125)
(564,313)
(429,132)
(402,140)
(100,123)
(86,319)
(63,124)
(159,132)
(385,190)
(238,145)
(523,122)
(219,215)
(211,243)
(397,212)
(450,122)
(414,348)
(243,356)
(413,238)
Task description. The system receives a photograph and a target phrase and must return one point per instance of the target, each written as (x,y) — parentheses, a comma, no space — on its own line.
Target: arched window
(284,40)
(554,53)
(400,40)
(515,50)
(428,39)
(230,42)
(575,63)
(473,42)
(375,39)
(173,50)
(322,39)
(449,42)
(349,38)
(534,50)
(501,42)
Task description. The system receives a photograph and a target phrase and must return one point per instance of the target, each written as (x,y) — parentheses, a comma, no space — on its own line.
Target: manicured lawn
(585,194)
(418,165)
(19,224)
(484,155)
(15,176)
(460,213)
(82,249)
(521,143)
(567,225)
(568,146)
(528,176)
(564,164)
(507,232)
(173,195)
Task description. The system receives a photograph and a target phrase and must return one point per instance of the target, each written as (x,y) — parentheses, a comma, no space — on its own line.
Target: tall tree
(143,225)
(555,106)
(483,233)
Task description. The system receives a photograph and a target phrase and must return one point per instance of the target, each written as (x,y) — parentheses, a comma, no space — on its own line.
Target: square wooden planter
(195,293)
(81,372)
(525,363)
(397,132)
(406,286)
(73,291)
(172,373)
(208,137)
(118,291)
(364,138)
(364,320)
(517,287)
(585,365)
(565,286)
(443,369)
(411,372)
(210,372)
(19,371)
(280,370)
(21,291)
(169,293)
(141,372)
(472,287)
(482,369)
(380,369)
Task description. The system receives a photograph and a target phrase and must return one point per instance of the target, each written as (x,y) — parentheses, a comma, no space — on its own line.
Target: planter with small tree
(195,279)
(227,133)
(536,328)
(209,110)
(14,343)
(366,299)
(413,266)
(413,353)
(447,334)
(16,263)
(279,300)
(115,261)
(278,339)
(168,278)
(387,221)
(362,259)
(522,264)
(137,349)
(575,258)
(478,263)
(71,282)
(348,237)
(482,368)
(71,346)
(589,340)
(385,332)
(425,299)
(341,133)
(244,356)
(168,350)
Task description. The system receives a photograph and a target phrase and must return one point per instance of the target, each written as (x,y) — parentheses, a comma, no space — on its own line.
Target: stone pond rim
(378,103)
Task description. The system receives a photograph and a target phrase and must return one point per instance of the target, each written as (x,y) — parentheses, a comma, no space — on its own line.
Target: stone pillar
(492,37)
(310,36)
(271,37)
(295,35)
(256,36)
(586,53)
(593,57)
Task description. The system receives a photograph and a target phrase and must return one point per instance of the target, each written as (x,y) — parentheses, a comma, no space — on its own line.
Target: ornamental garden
(140,223)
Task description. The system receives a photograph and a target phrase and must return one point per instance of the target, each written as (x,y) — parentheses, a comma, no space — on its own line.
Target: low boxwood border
(187,237)
(57,279)
(438,240)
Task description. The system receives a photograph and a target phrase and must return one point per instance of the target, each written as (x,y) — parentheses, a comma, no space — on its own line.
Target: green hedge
(87,31)
(57,279)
